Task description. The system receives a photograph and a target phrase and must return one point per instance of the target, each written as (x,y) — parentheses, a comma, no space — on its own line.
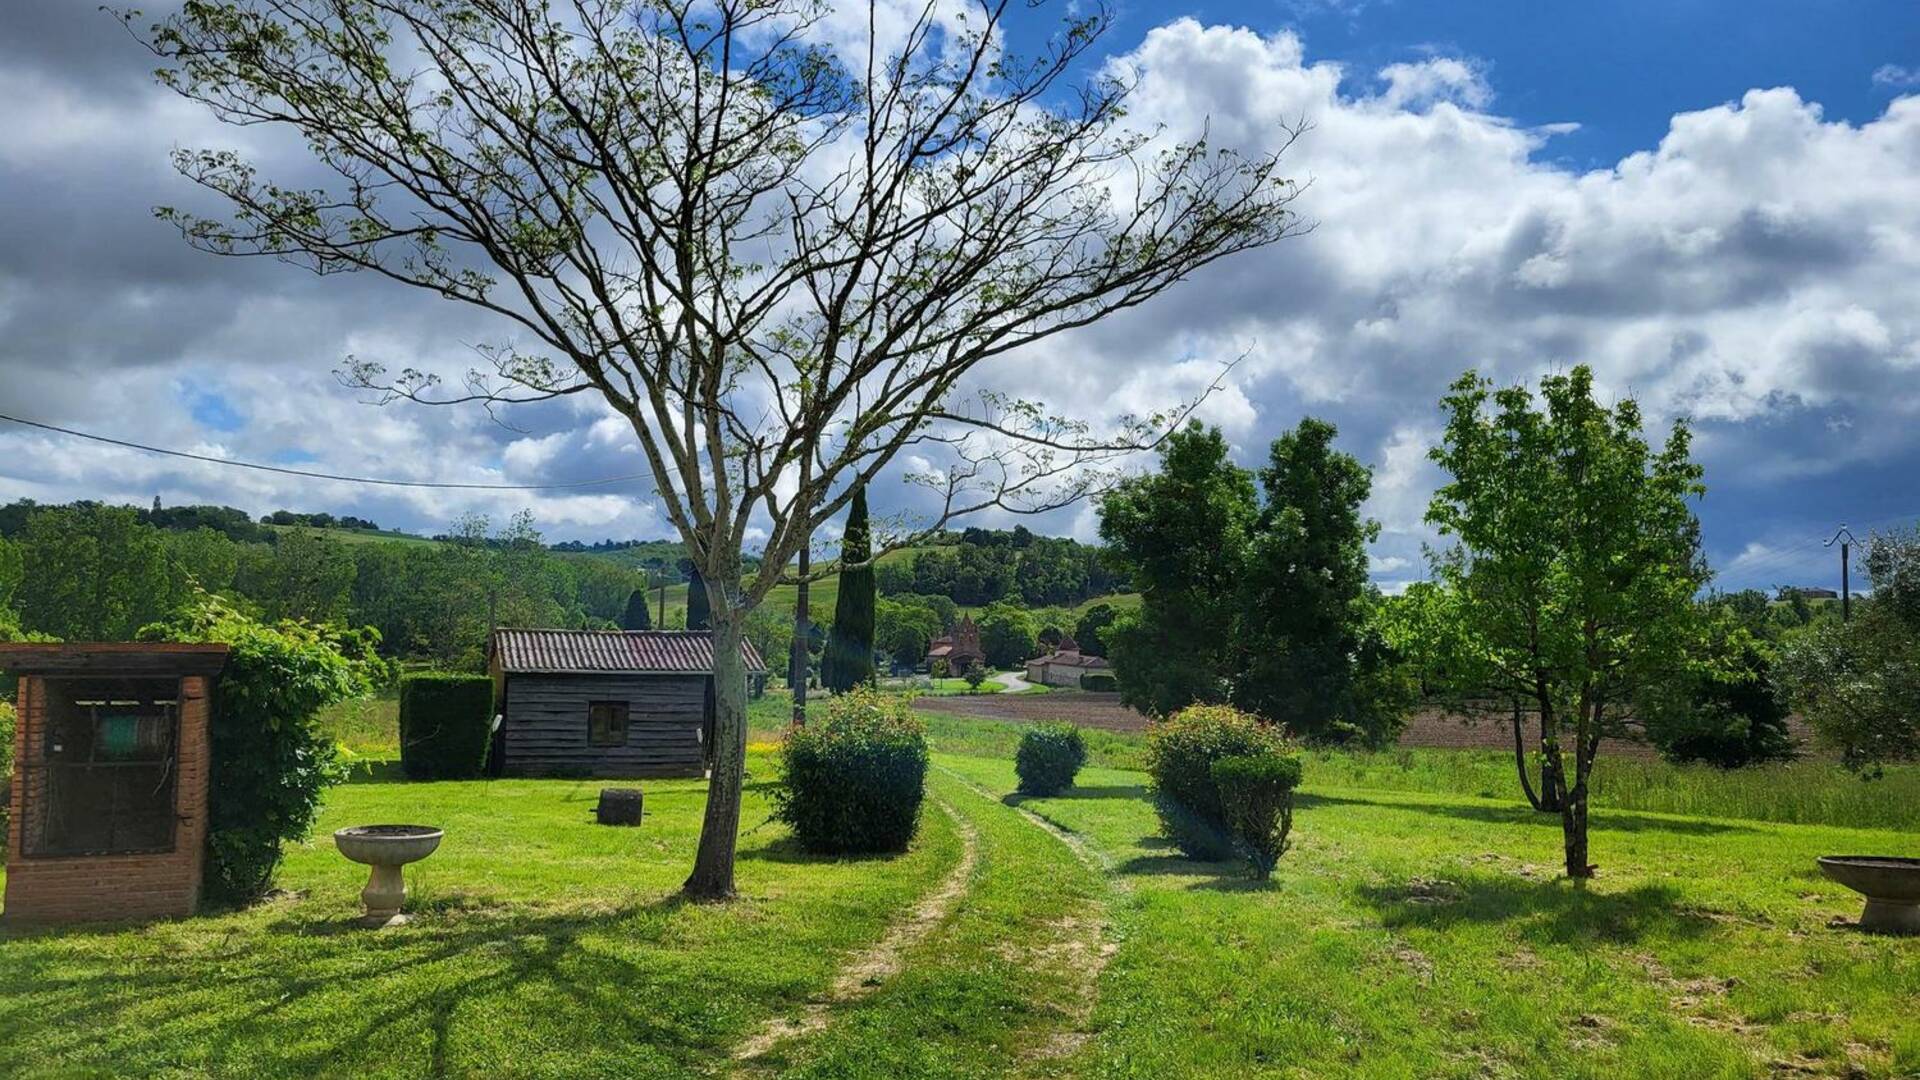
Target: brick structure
(111,765)
(957,651)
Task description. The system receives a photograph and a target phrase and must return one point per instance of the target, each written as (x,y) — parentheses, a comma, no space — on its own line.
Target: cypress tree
(699,610)
(849,659)
(638,615)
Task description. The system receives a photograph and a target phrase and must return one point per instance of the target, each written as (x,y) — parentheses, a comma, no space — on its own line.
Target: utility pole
(1846,587)
(661,622)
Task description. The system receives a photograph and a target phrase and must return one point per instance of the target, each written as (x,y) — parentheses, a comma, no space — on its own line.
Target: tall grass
(1803,793)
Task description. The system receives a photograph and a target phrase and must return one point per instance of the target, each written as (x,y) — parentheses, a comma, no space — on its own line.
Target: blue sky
(1621,69)
(1715,204)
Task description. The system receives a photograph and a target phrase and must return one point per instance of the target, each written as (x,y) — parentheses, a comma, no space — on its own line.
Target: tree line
(984,566)
(94,572)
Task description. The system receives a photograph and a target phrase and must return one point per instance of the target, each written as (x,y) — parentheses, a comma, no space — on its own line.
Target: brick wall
(93,887)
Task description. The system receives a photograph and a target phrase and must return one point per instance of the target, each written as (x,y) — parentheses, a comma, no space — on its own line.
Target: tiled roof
(613,651)
(1073,659)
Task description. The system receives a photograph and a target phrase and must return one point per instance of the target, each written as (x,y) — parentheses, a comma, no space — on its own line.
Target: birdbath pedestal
(386,848)
(1890,884)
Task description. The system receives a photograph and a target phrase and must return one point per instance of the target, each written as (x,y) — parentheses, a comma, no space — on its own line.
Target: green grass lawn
(544,945)
(1423,935)
(944,687)
(1408,933)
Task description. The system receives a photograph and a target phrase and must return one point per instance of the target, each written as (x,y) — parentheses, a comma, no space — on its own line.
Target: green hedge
(855,775)
(1181,751)
(272,760)
(1048,758)
(1105,684)
(1256,794)
(446,725)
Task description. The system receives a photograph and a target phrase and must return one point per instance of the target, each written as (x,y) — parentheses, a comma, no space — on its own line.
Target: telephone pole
(1846,587)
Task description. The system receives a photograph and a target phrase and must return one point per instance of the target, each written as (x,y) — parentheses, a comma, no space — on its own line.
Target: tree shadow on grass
(1104,791)
(787,850)
(1225,875)
(1558,911)
(395,1001)
(1600,818)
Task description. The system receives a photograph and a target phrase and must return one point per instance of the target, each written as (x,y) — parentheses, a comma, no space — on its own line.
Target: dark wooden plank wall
(545,730)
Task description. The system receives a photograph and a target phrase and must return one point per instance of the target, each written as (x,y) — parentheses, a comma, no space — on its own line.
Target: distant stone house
(1065,664)
(958,651)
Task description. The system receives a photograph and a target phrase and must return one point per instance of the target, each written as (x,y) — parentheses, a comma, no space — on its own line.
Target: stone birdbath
(1890,884)
(386,848)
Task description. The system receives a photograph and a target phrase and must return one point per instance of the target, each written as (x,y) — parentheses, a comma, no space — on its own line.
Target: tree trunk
(1553,777)
(1573,815)
(712,877)
(799,662)
(1520,760)
(1546,798)
(1573,826)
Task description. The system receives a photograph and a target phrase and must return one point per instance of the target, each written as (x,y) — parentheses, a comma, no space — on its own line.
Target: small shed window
(606,723)
(108,767)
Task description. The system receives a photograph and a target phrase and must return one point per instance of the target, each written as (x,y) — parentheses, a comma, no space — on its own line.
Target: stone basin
(386,848)
(1891,885)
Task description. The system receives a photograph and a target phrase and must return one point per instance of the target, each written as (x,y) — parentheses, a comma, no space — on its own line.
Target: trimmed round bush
(1181,751)
(1256,797)
(446,725)
(854,776)
(1049,757)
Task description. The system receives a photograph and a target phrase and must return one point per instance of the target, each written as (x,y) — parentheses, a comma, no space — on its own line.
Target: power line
(320,475)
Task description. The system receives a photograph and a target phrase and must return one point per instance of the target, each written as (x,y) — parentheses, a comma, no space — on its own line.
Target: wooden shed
(606,703)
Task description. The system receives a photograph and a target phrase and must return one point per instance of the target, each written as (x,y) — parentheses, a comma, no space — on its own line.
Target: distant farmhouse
(1065,665)
(958,651)
(634,703)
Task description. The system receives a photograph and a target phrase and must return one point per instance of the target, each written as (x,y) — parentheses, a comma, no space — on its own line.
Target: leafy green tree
(207,556)
(1857,683)
(307,576)
(946,613)
(12,570)
(1092,628)
(94,573)
(1726,709)
(1181,534)
(1575,558)
(771,631)
(639,613)
(601,586)
(1007,635)
(1301,620)
(849,659)
(904,628)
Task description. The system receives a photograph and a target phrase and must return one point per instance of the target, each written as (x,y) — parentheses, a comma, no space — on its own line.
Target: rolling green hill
(821,598)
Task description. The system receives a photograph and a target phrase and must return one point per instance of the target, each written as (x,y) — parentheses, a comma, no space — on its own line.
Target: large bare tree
(775,254)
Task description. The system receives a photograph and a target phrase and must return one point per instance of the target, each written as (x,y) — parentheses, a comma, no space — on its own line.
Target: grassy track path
(1004,987)
(874,965)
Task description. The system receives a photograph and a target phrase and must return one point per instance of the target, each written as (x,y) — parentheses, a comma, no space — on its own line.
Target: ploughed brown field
(1429,728)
